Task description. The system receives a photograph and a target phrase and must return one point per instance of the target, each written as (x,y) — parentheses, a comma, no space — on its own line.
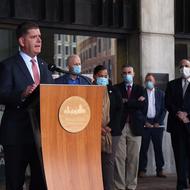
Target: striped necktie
(35,72)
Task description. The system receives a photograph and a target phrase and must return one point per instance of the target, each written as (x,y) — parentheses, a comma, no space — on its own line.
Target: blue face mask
(149,85)
(102,81)
(128,78)
(77,69)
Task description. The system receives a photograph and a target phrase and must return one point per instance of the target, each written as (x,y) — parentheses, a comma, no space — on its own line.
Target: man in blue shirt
(74,66)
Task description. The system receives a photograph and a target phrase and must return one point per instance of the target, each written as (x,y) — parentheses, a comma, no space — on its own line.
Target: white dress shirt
(151,113)
(27,60)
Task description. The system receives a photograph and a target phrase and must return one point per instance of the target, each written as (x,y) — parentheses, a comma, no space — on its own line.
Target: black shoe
(161,174)
(141,174)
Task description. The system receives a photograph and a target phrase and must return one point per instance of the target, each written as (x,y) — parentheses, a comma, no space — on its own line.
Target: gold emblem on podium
(74,114)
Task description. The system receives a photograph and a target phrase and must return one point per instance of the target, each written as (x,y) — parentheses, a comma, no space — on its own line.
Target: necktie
(185,86)
(35,72)
(128,91)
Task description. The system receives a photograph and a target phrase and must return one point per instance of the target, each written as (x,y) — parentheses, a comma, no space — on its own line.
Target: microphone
(52,67)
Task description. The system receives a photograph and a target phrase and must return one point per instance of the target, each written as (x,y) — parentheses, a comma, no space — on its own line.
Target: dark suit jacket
(65,78)
(14,78)
(159,105)
(116,107)
(133,108)
(175,102)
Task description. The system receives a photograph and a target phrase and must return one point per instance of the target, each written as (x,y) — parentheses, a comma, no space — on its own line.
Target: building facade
(95,51)
(152,36)
(64,45)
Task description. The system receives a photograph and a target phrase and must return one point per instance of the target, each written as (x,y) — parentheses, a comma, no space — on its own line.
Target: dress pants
(156,135)
(17,158)
(181,146)
(127,160)
(108,161)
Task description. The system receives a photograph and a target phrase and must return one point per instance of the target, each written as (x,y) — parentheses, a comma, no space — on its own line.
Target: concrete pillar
(157,56)
(157,37)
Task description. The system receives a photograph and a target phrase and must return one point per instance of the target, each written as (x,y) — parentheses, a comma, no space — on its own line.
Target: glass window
(99,46)
(74,50)
(66,50)
(59,62)
(59,36)
(59,49)
(90,53)
(74,38)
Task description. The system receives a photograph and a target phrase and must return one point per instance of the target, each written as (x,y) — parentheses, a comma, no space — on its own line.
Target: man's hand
(29,89)
(141,98)
(156,125)
(148,125)
(105,130)
(183,116)
(124,100)
(186,120)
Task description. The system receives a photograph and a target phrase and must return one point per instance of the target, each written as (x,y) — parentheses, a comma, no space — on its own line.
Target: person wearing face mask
(115,111)
(74,66)
(154,112)
(127,153)
(177,101)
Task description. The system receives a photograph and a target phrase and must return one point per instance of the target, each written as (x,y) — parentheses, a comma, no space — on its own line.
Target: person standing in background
(74,66)
(108,158)
(154,112)
(127,153)
(177,102)
(19,76)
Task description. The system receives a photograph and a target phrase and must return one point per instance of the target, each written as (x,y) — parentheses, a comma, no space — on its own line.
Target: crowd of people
(135,116)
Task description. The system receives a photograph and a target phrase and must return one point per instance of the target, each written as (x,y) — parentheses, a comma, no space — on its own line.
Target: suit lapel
(40,64)
(179,86)
(21,64)
(123,90)
(187,92)
(157,102)
(146,99)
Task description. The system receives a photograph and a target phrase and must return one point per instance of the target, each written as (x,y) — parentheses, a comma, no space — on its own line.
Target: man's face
(151,79)
(74,61)
(128,70)
(31,42)
(184,63)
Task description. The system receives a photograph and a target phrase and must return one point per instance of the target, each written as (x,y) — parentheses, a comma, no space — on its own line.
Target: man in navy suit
(177,100)
(74,66)
(19,76)
(154,112)
(132,123)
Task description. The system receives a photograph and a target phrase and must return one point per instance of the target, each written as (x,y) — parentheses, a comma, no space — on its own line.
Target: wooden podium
(71,136)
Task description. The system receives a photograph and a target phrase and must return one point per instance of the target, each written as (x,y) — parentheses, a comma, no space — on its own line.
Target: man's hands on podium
(29,89)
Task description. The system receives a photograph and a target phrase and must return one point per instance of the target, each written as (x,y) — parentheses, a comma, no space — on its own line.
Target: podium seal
(74,114)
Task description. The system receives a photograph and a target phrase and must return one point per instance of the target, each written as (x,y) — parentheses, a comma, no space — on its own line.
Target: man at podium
(19,76)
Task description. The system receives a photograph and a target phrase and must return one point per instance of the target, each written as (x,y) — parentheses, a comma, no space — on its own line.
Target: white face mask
(185,72)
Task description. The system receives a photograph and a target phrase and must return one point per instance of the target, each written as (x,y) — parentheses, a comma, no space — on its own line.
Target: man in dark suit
(74,66)
(154,112)
(127,153)
(19,76)
(177,100)
(115,112)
